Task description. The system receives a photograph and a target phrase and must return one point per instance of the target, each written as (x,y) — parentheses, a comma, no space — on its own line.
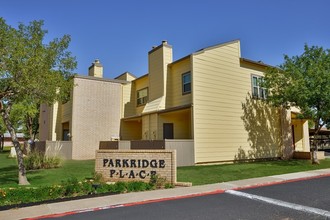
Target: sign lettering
(135,165)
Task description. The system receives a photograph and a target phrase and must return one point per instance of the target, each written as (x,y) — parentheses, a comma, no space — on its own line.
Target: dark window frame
(184,84)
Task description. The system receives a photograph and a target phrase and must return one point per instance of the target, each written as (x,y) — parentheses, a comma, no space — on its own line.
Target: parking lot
(305,199)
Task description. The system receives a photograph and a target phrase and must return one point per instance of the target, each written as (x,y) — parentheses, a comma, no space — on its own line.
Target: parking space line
(281,203)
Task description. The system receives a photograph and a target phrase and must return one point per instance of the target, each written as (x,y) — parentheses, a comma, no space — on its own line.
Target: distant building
(8,140)
(211,97)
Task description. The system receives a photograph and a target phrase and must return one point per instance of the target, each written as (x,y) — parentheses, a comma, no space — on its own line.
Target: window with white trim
(142,96)
(186,83)
(257,90)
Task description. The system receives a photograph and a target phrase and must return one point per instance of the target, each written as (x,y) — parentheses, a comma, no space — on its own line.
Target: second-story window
(186,83)
(142,96)
(257,90)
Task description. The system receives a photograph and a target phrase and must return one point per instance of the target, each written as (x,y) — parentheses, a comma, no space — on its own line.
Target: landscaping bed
(76,180)
(71,189)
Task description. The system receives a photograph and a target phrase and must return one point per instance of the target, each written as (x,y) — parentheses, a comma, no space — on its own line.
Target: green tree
(31,72)
(303,82)
(25,116)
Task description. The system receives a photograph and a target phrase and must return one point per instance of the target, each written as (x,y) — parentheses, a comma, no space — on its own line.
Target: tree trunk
(2,141)
(22,179)
(315,160)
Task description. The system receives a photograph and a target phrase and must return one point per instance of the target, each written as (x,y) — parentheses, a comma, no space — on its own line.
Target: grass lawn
(69,168)
(198,175)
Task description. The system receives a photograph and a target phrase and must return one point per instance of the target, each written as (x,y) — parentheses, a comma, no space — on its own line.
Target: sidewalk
(140,197)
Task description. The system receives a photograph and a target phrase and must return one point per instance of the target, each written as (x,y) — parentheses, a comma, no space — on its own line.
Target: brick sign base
(136,165)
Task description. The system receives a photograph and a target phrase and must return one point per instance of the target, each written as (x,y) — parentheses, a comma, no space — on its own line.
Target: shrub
(69,188)
(120,187)
(36,160)
(51,162)
(33,161)
(158,182)
(136,186)
(98,177)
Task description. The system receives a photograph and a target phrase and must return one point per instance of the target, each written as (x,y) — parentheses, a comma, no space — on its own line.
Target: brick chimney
(158,59)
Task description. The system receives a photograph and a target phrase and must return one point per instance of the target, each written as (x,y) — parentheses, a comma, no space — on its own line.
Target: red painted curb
(175,198)
(125,205)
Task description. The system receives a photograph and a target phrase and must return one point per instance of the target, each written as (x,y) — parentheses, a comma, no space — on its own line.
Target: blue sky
(121,32)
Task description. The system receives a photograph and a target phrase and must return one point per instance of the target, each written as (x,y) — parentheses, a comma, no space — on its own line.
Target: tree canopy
(303,82)
(31,72)
(30,69)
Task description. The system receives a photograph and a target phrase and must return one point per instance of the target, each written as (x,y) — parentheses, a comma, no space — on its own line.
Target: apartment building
(211,96)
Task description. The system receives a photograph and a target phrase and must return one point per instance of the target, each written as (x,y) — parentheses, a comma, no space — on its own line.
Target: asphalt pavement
(219,194)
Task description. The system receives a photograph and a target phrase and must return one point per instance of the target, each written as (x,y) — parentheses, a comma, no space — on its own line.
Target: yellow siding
(150,127)
(153,125)
(131,130)
(181,124)
(67,111)
(138,85)
(56,122)
(145,127)
(306,145)
(174,96)
(156,74)
(298,136)
(126,76)
(158,61)
(228,124)
(128,100)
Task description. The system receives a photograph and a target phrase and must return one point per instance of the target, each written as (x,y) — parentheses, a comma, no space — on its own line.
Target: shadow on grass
(8,175)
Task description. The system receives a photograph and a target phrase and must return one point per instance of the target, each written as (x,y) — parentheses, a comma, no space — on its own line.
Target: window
(257,90)
(186,83)
(142,96)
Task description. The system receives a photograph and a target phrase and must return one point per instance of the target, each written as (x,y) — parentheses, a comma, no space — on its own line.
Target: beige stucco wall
(95,115)
(228,123)
(184,151)
(44,122)
(62,149)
